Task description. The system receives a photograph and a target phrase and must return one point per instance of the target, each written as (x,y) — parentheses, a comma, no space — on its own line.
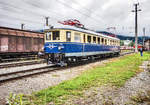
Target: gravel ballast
(35,83)
(93,96)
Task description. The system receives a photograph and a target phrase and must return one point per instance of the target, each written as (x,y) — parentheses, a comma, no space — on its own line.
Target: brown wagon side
(19,42)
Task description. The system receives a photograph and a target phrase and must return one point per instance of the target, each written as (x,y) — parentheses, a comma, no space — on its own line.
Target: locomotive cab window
(68,36)
(89,39)
(56,35)
(48,36)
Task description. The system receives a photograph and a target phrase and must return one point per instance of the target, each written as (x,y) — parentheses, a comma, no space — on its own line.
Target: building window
(68,36)
(89,39)
(77,37)
(48,36)
(94,39)
(56,35)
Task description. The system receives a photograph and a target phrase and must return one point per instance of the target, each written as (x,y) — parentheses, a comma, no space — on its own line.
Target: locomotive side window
(77,37)
(110,42)
(102,40)
(89,39)
(84,39)
(56,35)
(94,39)
(98,40)
(68,36)
(115,42)
(105,41)
(48,36)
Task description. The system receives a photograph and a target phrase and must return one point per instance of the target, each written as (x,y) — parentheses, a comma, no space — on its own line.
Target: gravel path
(35,83)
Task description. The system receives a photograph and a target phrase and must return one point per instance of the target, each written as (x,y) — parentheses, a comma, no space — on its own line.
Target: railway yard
(74,52)
(25,79)
(95,72)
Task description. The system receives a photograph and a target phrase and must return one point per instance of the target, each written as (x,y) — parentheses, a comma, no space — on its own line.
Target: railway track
(20,63)
(24,73)
(31,57)
(29,72)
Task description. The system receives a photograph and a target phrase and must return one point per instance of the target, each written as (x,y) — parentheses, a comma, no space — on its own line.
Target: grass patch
(116,72)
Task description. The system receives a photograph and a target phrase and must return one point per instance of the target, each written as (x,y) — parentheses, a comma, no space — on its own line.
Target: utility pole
(46,20)
(136,25)
(22,26)
(143,36)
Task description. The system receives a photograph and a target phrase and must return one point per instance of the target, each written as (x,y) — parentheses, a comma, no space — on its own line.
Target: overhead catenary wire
(28,11)
(11,17)
(77,10)
(88,10)
(50,12)
(18,8)
(70,7)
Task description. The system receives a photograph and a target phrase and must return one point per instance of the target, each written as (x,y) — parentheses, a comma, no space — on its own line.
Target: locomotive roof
(67,27)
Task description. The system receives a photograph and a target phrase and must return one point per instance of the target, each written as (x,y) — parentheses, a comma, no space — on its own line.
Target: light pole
(46,18)
(22,26)
(143,36)
(136,25)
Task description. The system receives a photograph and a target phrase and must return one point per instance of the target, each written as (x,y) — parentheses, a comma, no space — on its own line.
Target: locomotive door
(68,36)
(84,41)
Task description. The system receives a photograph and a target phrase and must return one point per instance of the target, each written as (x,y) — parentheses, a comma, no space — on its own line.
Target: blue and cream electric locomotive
(70,44)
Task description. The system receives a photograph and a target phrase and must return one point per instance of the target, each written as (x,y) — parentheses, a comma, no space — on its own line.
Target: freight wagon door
(27,43)
(12,44)
(41,44)
(20,45)
(4,44)
(35,45)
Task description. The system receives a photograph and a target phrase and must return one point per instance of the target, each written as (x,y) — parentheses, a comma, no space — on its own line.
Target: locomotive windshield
(56,35)
(53,35)
(48,36)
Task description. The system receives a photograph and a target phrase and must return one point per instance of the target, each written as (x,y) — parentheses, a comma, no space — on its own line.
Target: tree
(131,44)
(121,43)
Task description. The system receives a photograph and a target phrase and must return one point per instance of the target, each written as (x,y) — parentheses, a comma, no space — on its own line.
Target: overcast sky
(94,14)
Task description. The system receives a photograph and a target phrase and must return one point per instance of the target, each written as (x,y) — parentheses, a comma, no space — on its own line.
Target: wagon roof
(1,27)
(66,27)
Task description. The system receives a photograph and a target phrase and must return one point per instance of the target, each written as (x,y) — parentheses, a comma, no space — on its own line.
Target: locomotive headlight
(60,47)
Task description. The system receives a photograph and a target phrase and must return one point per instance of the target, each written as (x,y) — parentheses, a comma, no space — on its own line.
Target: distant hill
(140,38)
